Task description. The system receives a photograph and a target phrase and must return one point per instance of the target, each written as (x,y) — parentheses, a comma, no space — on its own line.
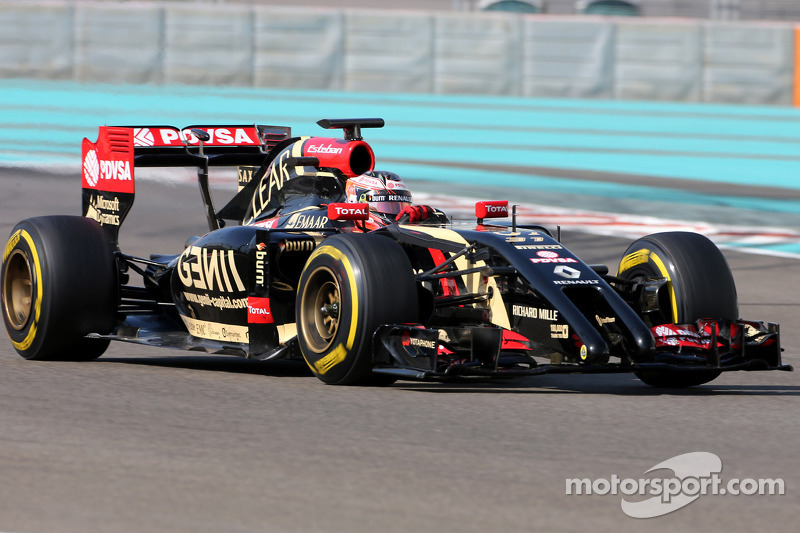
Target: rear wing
(107,172)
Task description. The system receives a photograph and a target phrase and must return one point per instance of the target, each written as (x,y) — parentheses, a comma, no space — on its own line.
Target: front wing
(412,353)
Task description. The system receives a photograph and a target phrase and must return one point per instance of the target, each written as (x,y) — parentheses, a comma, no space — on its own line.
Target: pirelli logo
(631,260)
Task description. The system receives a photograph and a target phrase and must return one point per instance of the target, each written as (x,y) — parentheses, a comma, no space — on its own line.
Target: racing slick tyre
(350,285)
(59,283)
(700,286)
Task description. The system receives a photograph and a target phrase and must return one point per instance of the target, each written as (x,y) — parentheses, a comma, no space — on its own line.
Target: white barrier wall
(394,51)
(390,52)
(36,41)
(747,63)
(102,51)
(657,61)
(298,48)
(568,58)
(477,55)
(204,44)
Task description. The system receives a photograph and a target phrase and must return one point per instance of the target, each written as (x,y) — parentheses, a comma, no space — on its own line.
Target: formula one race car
(298,273)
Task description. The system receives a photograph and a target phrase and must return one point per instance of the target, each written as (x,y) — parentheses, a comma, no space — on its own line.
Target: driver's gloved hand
(414,213)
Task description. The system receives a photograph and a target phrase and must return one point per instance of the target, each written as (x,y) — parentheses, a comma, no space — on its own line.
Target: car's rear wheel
(58,284)
(700,286)
(350,285)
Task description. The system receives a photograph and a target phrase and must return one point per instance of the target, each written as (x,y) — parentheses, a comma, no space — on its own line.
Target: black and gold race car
(289,269)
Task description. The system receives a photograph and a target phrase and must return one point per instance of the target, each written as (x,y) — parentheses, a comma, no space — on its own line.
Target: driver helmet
(384,191)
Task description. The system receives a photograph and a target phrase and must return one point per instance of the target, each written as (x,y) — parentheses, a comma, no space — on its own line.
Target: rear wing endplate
(107,172)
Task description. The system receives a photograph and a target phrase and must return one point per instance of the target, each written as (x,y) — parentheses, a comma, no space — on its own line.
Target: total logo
(496,209)
(349,211)
(258,311)
(546,256)
(493,209)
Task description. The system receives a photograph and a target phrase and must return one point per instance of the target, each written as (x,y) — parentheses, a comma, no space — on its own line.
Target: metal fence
(450,52)
(708,9)
(779,10)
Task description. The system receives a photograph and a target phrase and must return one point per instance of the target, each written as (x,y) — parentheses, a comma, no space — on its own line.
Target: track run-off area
(611,167)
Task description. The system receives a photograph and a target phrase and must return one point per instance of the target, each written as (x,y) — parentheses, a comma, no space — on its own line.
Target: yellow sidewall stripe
(665,273)
(12,242)
(336,356)
(643,256)
(339,354)
(633,259)
(28,340)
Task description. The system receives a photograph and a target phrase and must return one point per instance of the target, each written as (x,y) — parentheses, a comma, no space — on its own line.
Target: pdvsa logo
(220,136)
(91,168)
(546,256)
(168,136)
(96,169)
(143,137)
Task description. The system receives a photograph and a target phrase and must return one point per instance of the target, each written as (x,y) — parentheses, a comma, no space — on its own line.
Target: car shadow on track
(604,384)
(211,363)
(617,384)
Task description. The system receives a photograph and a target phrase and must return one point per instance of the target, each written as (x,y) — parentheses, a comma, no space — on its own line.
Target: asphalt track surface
(156,440)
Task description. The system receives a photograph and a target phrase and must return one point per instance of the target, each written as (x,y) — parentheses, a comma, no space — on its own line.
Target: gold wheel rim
(18,290)
(320,310)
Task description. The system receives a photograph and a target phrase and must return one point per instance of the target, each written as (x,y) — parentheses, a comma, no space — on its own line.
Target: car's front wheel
(58,285)
(700,285)
(350,285)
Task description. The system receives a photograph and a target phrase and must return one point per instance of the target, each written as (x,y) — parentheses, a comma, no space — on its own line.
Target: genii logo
(209,269)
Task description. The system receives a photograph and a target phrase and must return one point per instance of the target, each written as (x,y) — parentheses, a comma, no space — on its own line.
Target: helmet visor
(389,202)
